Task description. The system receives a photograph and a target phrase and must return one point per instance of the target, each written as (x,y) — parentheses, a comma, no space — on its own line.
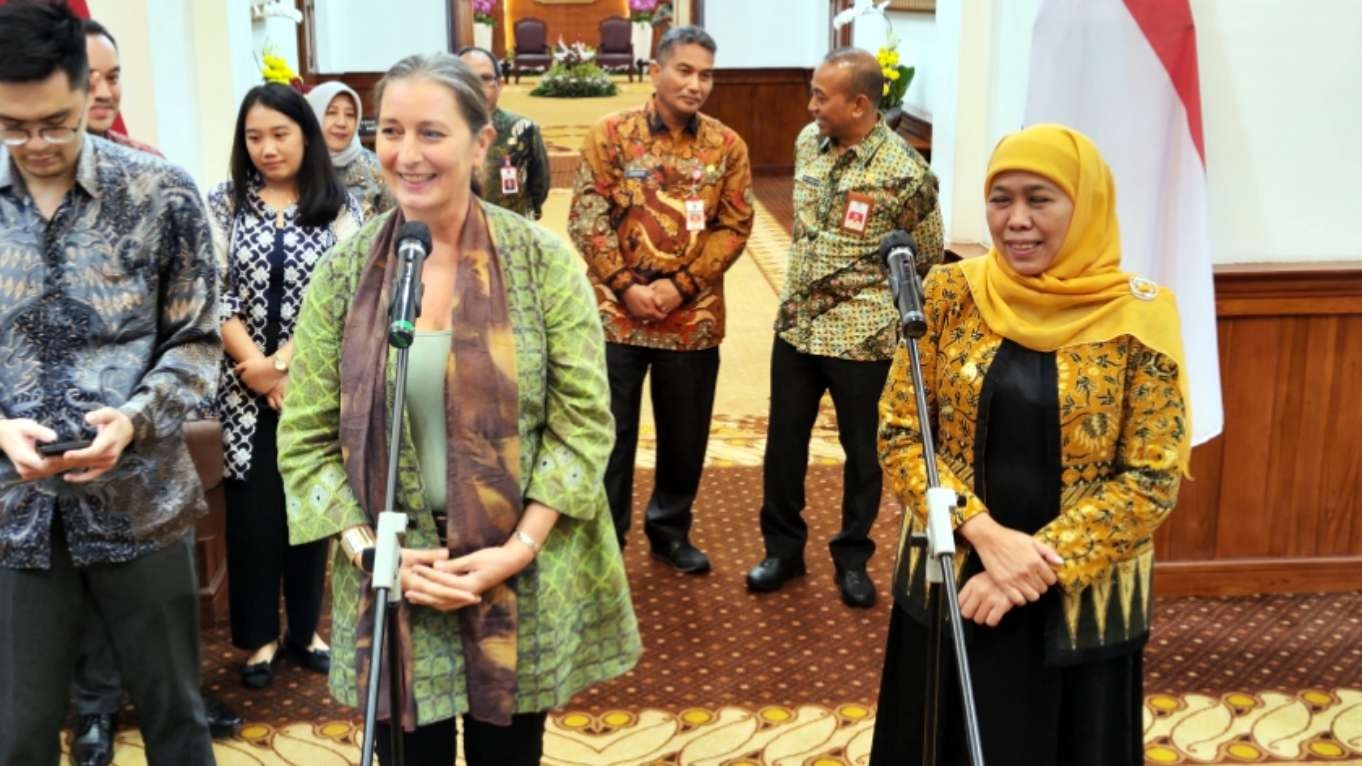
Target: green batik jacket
(518,142)
(576,624)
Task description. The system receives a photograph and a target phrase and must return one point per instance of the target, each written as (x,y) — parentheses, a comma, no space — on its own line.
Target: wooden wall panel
(573,21)
(1274,505)
(768,108)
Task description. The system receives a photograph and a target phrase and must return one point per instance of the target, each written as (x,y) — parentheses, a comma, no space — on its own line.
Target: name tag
(695,214)
(636,173)
(810,180)
(510,180)
(856,216)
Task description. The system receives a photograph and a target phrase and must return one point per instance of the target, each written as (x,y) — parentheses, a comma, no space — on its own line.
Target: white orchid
(861,8)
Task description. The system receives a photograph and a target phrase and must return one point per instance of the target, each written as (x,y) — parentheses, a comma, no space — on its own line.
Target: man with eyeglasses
(516,173)
(108,333)
(98,691)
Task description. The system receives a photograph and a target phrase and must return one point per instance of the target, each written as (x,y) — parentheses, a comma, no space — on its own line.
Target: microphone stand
(939,542)
(388,554)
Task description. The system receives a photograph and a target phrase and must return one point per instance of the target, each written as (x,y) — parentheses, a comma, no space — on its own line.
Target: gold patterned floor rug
(1314,726)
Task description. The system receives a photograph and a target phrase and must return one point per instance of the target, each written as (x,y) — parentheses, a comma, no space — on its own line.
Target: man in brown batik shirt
(662,207)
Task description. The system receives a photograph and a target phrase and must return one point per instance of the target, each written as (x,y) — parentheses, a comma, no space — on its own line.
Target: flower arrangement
(573,55)
(642,10)
(482,11)
(575,74)
(273,68)
(896,76)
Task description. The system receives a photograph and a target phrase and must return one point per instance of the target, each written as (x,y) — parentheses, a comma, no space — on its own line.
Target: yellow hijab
(1083,296)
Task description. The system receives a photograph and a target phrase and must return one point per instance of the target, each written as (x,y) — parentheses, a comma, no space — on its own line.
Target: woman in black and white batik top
(283,208)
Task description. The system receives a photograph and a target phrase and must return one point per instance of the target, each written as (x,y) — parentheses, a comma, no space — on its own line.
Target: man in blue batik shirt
(107,334)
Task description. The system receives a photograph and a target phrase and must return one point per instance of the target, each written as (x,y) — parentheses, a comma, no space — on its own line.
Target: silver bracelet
(528,541)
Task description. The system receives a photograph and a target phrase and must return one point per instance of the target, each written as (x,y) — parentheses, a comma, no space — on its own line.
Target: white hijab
(319,98)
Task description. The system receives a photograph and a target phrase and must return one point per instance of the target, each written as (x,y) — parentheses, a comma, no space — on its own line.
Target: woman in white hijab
(338,110)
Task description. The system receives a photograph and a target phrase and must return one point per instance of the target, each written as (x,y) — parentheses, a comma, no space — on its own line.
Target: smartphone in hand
(56,449)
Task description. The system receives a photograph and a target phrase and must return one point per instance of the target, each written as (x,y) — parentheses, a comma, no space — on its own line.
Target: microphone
(896,254)
(404,304)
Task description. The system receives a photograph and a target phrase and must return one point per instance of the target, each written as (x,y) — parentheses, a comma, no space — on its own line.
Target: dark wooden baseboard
(1242,577)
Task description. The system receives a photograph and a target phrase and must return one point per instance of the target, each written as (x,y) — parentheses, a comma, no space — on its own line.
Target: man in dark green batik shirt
(516,175)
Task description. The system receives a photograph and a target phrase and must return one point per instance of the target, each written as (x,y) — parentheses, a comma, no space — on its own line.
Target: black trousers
(149,609)
(797,384)
(520,744)
(1030,713)
(97,689)
(683,403)
(259,557)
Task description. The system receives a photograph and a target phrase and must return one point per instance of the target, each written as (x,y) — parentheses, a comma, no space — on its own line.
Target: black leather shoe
(315,660)
(93,742)
(683,556)
(857,588)
(772,573)
(258,675)
(223,722)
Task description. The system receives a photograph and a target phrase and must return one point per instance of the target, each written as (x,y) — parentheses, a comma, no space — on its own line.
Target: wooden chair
(531,47)
(616,50)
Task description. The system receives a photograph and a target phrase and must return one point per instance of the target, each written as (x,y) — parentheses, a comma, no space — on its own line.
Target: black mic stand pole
(939,542)
(387,561)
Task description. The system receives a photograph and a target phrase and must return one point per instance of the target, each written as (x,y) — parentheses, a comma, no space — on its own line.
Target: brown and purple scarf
(482,425)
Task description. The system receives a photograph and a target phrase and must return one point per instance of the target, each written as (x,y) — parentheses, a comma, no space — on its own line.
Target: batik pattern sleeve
(220,214)
(922,219)
(538,174)
(319,500)
(1111,519)
(900,432)
(589,220)
(578,429)
(183,370)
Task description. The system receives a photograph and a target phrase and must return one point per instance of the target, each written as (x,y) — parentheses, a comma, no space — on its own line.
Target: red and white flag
(1124,72)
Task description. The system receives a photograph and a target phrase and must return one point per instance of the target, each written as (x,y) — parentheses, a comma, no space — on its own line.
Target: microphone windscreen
(896,239)
(417,231)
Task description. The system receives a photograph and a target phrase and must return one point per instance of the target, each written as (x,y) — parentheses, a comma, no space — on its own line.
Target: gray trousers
(148,608)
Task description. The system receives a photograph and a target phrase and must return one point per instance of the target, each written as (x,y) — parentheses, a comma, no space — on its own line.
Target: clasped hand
(1018,569)
(261,377)
(653,302)
(430,578)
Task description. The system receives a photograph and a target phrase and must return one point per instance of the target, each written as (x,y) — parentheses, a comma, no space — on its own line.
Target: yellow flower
(886,89)
(892,74)
(275,69)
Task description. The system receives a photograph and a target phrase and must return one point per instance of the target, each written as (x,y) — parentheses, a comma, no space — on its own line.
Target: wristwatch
(280,364)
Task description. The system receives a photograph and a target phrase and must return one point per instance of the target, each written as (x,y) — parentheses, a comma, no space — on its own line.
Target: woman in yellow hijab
(1055,384)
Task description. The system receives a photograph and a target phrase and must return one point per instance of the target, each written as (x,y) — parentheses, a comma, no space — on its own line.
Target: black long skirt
(1030,713)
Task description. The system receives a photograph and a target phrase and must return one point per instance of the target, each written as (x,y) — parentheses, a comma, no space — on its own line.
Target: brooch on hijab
(1144,289)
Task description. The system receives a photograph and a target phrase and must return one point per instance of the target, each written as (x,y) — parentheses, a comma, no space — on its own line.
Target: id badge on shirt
(510,180)
(856,215)
(695,214)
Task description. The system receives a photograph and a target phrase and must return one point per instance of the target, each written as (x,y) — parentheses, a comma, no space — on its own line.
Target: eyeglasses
(21,136)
